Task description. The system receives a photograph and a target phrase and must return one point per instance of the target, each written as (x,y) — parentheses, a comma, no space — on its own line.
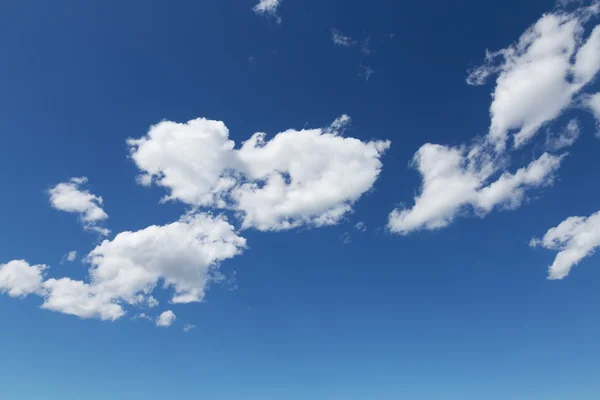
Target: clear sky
(417,221)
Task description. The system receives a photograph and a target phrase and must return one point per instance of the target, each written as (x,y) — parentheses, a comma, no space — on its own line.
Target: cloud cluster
(538,78)
(126,270)
(70,197)
(575,238)
(297,178)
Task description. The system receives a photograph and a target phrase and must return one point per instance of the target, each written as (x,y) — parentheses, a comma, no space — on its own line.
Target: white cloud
(69,257)
(19,279)
(457,180)
(188,327)
(152,302)
(360,226)
(575,238)
(565,137)
(268,8)
(539,75)
(593,103)
(309,177)
(68,196)
(182,255)
(339,39)
(81,299)
(166,319)
(143,316)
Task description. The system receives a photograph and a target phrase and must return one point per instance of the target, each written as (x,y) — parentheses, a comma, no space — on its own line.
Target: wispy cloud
(339,39)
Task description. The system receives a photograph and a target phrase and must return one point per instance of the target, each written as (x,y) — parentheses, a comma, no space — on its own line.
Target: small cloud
(252,59)
(268,8)
(364,71)
(564,138)
(141,316)
(360,226)
(188,327)
(69,257)
(345,238)
(152,302)
(339,39)
(166,319)
(70,197)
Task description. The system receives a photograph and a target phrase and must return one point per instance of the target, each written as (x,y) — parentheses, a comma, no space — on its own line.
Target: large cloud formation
(538,78)
(308,177)
(182,256)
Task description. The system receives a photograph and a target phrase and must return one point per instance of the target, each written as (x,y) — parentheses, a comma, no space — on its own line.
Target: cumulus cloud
(539,75)
(182,256)
(268,8)
(19,279)
(339,39)
(188,327)
(457,181)
(360,226)
(166,319)
(538,78)
(564,138)
(69,257)
(310,177)
(70,197)
(575,238)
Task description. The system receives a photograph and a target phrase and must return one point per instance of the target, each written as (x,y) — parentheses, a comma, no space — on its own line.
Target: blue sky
(392,234)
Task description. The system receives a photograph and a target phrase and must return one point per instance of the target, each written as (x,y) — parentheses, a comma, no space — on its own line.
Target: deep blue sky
(461,313)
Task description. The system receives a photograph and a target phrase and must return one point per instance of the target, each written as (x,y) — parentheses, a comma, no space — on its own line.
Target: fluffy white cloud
(181,255)
(458,180)
(68,196)
(19,279)
(81,299)
(564,138)
(166,319)
(268,8)
(69,257)
(539,75)
(574,239)
(339,39)
(309,177)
